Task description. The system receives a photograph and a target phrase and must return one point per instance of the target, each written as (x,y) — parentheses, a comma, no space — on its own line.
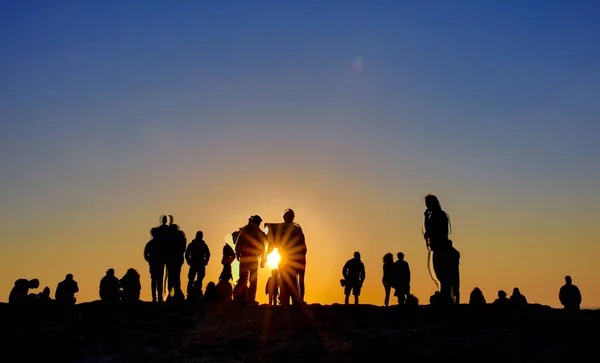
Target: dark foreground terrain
(93,332)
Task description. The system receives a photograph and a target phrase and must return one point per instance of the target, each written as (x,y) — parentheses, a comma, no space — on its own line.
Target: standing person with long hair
(437,229)
(388,276)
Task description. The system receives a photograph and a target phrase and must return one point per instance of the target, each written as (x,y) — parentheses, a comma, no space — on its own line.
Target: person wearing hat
(249,249)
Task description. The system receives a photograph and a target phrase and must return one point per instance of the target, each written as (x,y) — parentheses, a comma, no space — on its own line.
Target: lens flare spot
(358,64)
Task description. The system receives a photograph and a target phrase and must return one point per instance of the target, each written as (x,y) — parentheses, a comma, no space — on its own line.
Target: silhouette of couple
(166,249)
(251,251)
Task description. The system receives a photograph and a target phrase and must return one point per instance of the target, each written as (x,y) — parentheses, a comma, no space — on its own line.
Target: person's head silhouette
(289,215)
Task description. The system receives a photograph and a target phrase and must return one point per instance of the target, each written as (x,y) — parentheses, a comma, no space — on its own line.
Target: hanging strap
(429,268)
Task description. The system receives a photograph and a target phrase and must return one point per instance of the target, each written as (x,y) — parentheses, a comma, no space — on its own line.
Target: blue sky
(492,103)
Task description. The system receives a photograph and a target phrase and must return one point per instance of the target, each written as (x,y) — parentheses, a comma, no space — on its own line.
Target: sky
(116,112)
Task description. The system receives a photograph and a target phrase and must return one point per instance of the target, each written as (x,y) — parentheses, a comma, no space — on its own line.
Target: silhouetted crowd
(168,250)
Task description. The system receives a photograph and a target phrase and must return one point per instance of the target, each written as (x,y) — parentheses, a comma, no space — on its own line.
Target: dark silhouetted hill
(93,332)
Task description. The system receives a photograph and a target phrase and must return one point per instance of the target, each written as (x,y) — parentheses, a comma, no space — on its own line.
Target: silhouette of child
(272,288)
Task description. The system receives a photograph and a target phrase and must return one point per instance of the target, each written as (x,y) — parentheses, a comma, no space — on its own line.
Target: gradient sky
(115,112)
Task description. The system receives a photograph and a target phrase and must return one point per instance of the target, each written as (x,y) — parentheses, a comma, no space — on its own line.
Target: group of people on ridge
(168,249)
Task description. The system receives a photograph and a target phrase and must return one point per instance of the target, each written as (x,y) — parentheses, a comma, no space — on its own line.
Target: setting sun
(273,259)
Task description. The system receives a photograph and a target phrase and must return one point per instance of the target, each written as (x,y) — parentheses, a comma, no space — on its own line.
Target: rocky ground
(93,332)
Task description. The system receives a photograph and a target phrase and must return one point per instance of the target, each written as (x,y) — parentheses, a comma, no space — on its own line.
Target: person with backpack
(402,279)
(155,256)
(250,251)
(437,229)
(197,256)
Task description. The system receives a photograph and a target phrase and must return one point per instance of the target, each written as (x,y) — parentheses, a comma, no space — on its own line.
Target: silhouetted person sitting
(19,295)
(175,257)
(453,274)
(197,256)
(437,229)
(240,291)
(44,296)
(477,297)
(224,291)
(389,278)
(502,300)
(66,290)
(569,295)
(228,258)
(412,300)
(436,299)
(155,255)
(272,288)
(402,272)
(354,277)
(211,295)
(110,287)
(517,298)
(131,286)
(250,249)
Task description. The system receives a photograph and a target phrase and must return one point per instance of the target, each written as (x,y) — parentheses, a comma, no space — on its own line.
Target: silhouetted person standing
(389,276)
(250,248)
(155,255)
(290,242)
(354,277)
(66,290)
(197,256)
(476,297)
(131,286)
(402,272)
(175,257)
(110,287)
(569,295)
(19,294)
(517,298)
(436,238)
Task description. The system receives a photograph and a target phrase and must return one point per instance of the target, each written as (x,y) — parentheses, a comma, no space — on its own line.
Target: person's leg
(356,293)
(387,288)
(191,276)
(253,281)
(301,288)
(347,291)
(201,275)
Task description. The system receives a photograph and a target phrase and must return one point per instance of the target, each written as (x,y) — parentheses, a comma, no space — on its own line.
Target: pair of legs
(448,279)
(174,282)
(157,274)
(272,299)
(248,271)
(199,272)
(353,288)
(387,287)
